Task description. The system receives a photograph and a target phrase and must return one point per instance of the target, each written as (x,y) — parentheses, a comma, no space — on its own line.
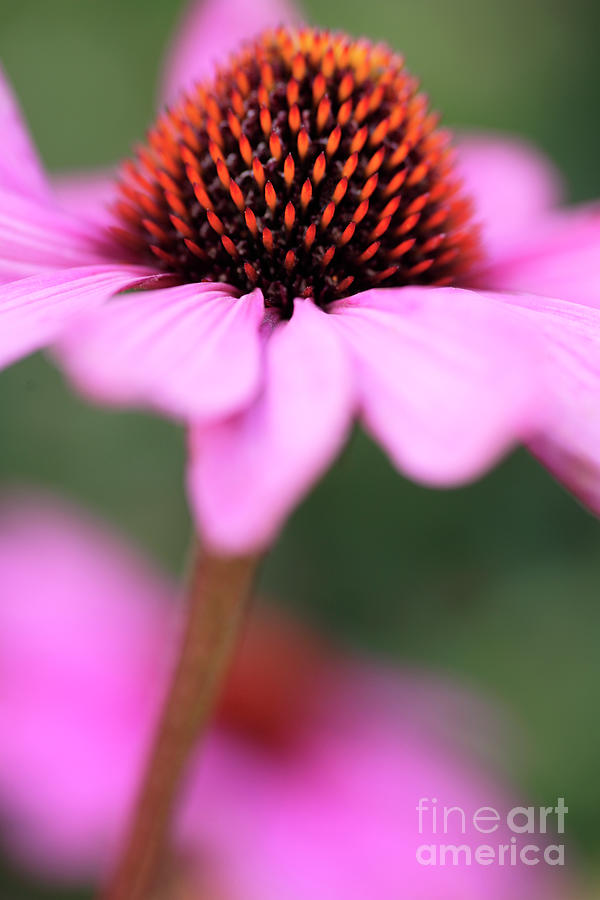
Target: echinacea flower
(315,261)
(310,779)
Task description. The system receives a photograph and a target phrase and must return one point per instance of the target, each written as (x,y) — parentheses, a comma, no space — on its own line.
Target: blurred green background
(497,583)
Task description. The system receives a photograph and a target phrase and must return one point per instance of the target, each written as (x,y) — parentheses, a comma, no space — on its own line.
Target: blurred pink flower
(309,782)
(446,379)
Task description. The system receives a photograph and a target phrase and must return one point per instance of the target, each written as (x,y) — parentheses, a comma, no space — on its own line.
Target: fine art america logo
(523,835)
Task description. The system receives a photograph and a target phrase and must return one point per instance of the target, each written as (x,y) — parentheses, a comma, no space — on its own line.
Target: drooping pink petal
(445,382)
(87,194)
(246,473)
(20,167)
(210,30)
(85,637)
(34,310)
(570,446)
(512,184)
(192,351)
(560,257)
(38,237)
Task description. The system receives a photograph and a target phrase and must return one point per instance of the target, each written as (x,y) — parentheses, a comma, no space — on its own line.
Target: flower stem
(218,592)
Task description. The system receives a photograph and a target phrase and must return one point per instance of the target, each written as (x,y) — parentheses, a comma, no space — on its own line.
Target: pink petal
(34,311)
(87,194)
(35,237)
(513,186)
(247,473)
(334,815)
(570,448)
(559,258)
(192,351)
(85,639)
(447,381)
(20,168)
(211,30)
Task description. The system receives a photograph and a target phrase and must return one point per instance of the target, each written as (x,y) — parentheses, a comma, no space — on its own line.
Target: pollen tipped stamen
(182,227)
(195,249)
(345,113)
(379,134)
(289,215)
(328,214)
(229,246)
(155,230)
(237,196)
(369,187)
(333,142)
(309,237)
(362,109)
(359,140)
(323,113)
(340,191)
(259,172)
(214,132)
(369,253)
(327,257)
(346,87)
(251,273)
(267,76)
(348,234)
(201,196)
(295,119)
(398,156)
(361,211)
(268,240)
(215,222)
(345,285)
(292,92)
(251,223)
(381,228)
(223,173)
(303,144)
(275,146)
(391,208)
(306,194)
(270,196)
(167,258)
(238,104)
(328,64)
(289,170)
(437,219)
(263,96)
(420,268)
(215,152)
(388,273)
(319,88)
(299,67)
(375,162)
(177,205)
(319,169)
(350,166)
(245,150)
(396,183)
(402,249)
(408,225)
(265,121)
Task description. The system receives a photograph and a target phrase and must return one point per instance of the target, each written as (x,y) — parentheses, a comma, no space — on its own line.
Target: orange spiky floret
(309,166)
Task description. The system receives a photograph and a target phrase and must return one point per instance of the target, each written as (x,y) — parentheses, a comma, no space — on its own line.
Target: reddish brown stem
(218,592)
